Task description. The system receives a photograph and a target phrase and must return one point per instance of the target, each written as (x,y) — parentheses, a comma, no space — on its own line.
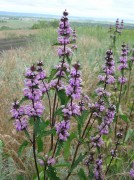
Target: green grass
(16,24)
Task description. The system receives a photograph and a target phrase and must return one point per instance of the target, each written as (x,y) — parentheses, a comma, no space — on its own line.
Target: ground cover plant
(83,132)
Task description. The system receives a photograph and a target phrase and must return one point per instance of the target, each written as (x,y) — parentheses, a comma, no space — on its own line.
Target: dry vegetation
(14,62)
(8,34)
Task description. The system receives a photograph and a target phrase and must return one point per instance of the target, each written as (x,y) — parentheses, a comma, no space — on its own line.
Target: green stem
(52,123)
(112,157)
(126,129)
(50,110)
(45,166)
(78,145)
(34,153)
(129,80)
(116,118)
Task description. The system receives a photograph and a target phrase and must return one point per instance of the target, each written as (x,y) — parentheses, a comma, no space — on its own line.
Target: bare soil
(8,44)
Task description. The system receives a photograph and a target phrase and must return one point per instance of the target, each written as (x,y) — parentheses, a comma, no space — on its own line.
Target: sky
(123,9)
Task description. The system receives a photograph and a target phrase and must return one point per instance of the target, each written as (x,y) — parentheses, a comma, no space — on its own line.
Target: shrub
(45,24)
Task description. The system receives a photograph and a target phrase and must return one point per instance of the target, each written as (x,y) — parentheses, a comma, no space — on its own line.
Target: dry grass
(13,65)
(17,33)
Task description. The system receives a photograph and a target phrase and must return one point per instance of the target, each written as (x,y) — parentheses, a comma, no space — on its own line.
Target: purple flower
(62,130)
(82,105)
(110,79)
(110,113)
(57,84)
(21,124)
(31,72)
(97,141)
(37,110)
(51,161)
(113,153)
(98,169)
(74,35)
(41,162)
(74,47)
(62,52)
(122,25)
(102,78)
(65,32)
(101,92)
(17,110)
(71,110)
(100,106)
(103,128)
(41,75)
(74,88)
(63,40)
(108,69)
(123,60)
(62,68)
(44,87)
(119,26)
(131,173)
(122,66)
(122,80)
(34,94)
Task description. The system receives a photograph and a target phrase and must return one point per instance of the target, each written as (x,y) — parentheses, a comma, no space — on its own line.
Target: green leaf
(41,174)
(66,164)
(51,172)
(31,121)
(130,134)
(56,44)
(52,74)
(69,60)
(37,126)
(81,119)
(82,175)
(27,134)
(42,127)
(49,132)
(62,96)
(84,115)
(1,144)
(78,160)
(120,109)
(22,100)
(39,144)
(67,145)
(124,118)
(59,147)
(22,147)
(106,99)
(20,177)
(58,112)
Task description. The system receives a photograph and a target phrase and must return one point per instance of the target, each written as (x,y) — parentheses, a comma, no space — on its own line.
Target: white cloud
(87,8)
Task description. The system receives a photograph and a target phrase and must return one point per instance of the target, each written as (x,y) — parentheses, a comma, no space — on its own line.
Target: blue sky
(83,8)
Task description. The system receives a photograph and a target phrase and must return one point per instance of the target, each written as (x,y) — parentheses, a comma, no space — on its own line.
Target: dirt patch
(13,43)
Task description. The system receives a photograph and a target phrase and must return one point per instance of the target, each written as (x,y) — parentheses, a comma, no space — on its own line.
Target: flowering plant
(55,110)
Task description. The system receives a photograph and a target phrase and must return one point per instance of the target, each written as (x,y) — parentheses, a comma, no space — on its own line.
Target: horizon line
(43,14)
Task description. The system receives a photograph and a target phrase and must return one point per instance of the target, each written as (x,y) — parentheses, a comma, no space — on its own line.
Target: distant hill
(49,16)
(3,13)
